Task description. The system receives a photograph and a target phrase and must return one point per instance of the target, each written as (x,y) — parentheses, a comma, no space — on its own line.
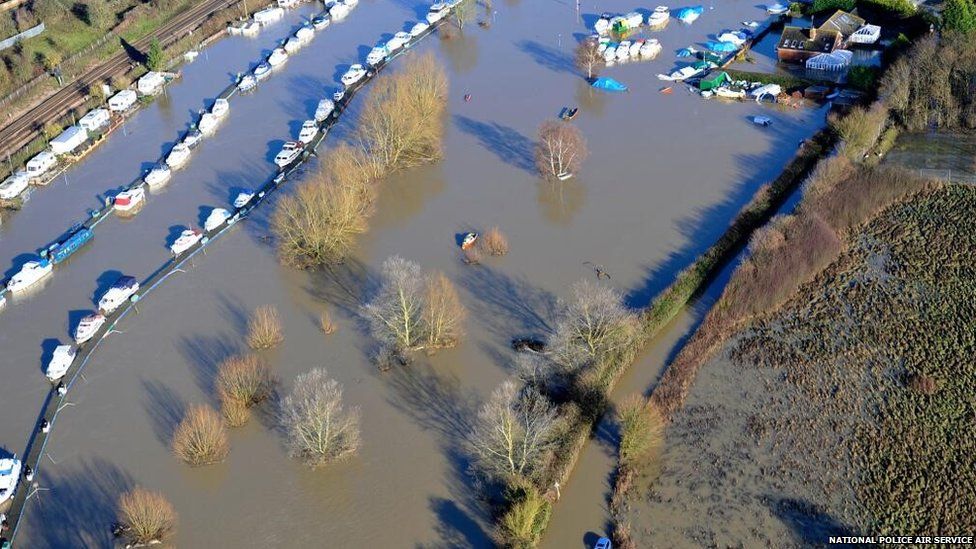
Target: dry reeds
(326,324)
(201,438)
(146,517)
(264,328)
(242,382)
(495,242)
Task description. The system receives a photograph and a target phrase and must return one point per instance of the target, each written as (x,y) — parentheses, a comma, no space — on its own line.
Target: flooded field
(945,156)
(665,175)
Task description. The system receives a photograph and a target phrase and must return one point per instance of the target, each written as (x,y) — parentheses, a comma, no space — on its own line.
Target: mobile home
(94,120)
(69,140)
(44,161)
(150,83)
(122,100)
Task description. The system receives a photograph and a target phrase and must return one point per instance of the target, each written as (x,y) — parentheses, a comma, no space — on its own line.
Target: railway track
(24,128)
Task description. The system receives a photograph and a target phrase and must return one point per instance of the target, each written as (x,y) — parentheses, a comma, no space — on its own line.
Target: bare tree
(320,430)
(515,433)
(443,313)
(146,517)
(591,327)
(560,150)
(588,57)
(201,438)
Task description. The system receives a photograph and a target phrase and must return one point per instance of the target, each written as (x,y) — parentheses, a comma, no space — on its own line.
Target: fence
(29,33)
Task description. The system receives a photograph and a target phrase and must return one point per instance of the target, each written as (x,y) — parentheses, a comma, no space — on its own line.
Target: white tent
(833,61)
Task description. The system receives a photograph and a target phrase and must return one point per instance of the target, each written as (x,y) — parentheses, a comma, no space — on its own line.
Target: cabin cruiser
(323,109)
(88,327)
(437,12)
(376,56)
(469,240)
(242,199)
(321,21)
(220,107)
(193,138)
(262,71)
(61,360)
(610,53)
(290,151)
(158,175)
(248,82)
(659,17)
(418,29)
(635,48)
(278,57)
(623,50)
(339,11)
(292,45)
(14,185)
(178,155)
(123,288)
(208,123)
(186,240)
(9,476)
(353,75)
(650,48)
(634,19)
(31,273)
(129,200)
(308,132)
(305,34)
(683,73)
(602,25)
(351,3)
(399,40)
(216,218)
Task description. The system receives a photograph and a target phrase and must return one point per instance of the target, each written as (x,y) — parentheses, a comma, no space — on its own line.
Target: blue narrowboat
(72,244)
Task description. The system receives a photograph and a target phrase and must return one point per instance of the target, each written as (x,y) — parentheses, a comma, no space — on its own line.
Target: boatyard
(111,429)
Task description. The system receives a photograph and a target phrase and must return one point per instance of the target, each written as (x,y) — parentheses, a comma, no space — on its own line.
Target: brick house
(796,44)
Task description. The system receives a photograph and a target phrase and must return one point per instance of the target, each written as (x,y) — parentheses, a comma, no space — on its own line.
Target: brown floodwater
(665,175)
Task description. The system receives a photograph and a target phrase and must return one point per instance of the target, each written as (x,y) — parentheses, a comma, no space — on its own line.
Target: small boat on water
(187,239)
(324,109)
(568,113)
(437,12)
(290,151)
(217,217)
(278,57)
(623,50)
(321,21)
(634,19)
(339,11)
(689,15)
(777,9)
(9,477)
(251,28)
(398,41)
(242,199)
(308,132)
(262,71)
(763,121)
(610,53)
(30,274)
(158,175)
(178,155)
(208,123)
(376,55)
(730,93)
(14,185)
(88,327)
(247,83)
(127,202)
(220,107)
(734,37)
(650,48)
(667,90)
(418,29)
(355,73)
(292,45)
(683,73)
(193,138)
(602,25)
(659,17)
(635,48)
(117,294)
(305,34)
(61,360)
(269,15)
(469,240)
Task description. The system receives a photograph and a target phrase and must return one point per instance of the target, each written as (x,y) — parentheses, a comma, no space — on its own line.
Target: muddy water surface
(664,177)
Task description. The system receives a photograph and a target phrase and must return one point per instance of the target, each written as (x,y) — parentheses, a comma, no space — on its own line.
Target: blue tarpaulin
(692,12)
(723,47)
(608,84)
(686,52)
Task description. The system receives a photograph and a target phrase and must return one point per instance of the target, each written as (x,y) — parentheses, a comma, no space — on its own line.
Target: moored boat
(762,121)
(208,123)
(309,130)
(324,109)
(247,83)
(217,217)
(339,11)
(659,17)
(289,152)
(321,21)
(120,291)
(30,274)
(61,360)
(187,239)
(292,45)
(158,175)
(278,57)
(650,48)
(610,53)
(418,29)
(242,199)
(623,49)
(9,477)
(355,73)
(376,55)
(469,240)
(602,25)
(635,48)
(88,327)
(262,71)
(14,185)
(399,40)
(305,34)
(128,201)
(220,107)
(437,12)
(178,156)
(193,138)
(729,93)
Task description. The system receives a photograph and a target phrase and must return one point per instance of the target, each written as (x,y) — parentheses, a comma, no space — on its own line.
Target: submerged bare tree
(588,57)
(146,517)
(560,150)
(516,431)
(320,429)
(591,327)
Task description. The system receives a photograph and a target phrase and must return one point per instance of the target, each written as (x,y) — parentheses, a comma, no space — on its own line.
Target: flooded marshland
(665,175)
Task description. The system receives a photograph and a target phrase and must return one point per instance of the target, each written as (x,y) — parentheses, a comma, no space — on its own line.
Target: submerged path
(56,399)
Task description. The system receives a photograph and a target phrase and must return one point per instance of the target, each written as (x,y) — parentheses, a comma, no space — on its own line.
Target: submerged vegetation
(560,150)
(320,429)
(201,438)
(242,382)
(264,328)
(146,517)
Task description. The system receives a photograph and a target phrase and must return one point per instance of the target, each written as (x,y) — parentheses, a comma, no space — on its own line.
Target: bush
(495,242)
(860,128)
(326,324)
(146,517)
(863,78)
(319,428)
(641,431)
(831,5)
(242,382)
(522,526)
(201,439)
(264,328)
(959,16)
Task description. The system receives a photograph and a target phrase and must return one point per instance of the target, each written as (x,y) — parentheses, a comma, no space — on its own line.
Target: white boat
(127,201)
(650,48)
(469,240)
(777,9)
(418,29)
(610,53)
(61,360)
(88,326)
(251,28)
(242,199)
(292,45)
(14,185)
(353,75)
(376,56)
(437,12)
(178,155)
(321,21)
(262,71)
(623,49)
(31,273)
(158,175)
(308,132)
(732,37)
(220,107)
(324,109)
(120,292)
(602,25)
(191,56)
(269,15)
(290,151)
(681,74)
(399,40)
(186,240)
(193,138)
(729,93)
(339,11)
(217,217)
(659,17)
(634,20)
(750,24)
(635,48)
(248,82)
(351,3)
(9,476)
(305,34)
(278,57)
(208,123)
(766,90)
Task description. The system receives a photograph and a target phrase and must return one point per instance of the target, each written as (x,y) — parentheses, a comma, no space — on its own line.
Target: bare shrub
(264,328)
(560,151)
(443,314)
(471,256)
(515,433)
(495,242)
(146,517)
(923,384)
(641,431)
(201,439)
(864,194)
(320,429)
(622,537)
(326,324)
(235,412)
(242,382)
(588,57)
(522,525)
(826,175)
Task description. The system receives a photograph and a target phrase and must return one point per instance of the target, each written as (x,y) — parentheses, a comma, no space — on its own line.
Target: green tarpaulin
(713,81)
